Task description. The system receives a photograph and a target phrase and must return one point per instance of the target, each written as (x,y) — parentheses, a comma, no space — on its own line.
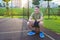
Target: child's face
(36,10)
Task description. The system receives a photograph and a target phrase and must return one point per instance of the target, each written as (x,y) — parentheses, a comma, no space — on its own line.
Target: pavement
(16,29)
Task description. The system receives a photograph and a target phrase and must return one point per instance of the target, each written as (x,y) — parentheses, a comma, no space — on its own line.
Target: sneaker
(31,33)
(41,35)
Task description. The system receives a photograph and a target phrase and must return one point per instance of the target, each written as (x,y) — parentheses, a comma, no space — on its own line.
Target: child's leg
(30,24)
(37,30)
(37,27)
(41,24)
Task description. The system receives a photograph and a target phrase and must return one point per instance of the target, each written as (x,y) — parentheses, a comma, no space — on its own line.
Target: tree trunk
(7,9)
(48,10)
(28,9)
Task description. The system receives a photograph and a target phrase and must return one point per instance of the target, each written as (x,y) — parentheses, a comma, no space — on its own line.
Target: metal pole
(48,10)
(28,9)
(11,9)
(23,12)
(7,9)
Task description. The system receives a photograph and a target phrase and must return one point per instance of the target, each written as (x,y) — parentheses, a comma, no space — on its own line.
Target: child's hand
(32,20)
(38,20)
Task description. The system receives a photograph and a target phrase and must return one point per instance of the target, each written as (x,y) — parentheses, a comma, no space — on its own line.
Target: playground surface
(16,29)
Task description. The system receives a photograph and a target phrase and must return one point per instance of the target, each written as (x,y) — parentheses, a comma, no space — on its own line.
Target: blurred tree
(36,2)
(3,4)
(6,0)
(7,8)
(48,8)
(59,10)
(0,5)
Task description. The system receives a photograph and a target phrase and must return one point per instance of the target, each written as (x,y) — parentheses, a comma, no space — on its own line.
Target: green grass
(19,16)
(19,11)
(1,16)
(13,17)
(52,24)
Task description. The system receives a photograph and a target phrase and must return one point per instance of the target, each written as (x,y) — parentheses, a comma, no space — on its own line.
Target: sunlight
(24,2)
(56,1)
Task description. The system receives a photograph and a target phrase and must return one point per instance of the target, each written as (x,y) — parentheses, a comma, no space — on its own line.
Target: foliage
(36,2)
(6,0)
(51,24)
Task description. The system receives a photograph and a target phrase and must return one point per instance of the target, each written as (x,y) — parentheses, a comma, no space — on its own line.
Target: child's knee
(29,23)
(41,23)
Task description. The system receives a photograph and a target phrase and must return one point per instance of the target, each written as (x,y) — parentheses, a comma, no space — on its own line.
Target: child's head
(36,9)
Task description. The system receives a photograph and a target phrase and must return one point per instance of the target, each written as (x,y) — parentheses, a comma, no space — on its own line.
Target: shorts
(36,24)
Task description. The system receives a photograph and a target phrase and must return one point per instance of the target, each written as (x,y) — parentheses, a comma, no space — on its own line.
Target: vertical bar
(48,10)
(28,9)
(11,9)
(23,12)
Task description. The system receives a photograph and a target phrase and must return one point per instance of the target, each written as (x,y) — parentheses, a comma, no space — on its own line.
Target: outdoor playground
(51,19)
(53,23)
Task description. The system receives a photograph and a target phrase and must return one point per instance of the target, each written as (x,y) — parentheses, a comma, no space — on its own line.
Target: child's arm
(31,17)
(41,19)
